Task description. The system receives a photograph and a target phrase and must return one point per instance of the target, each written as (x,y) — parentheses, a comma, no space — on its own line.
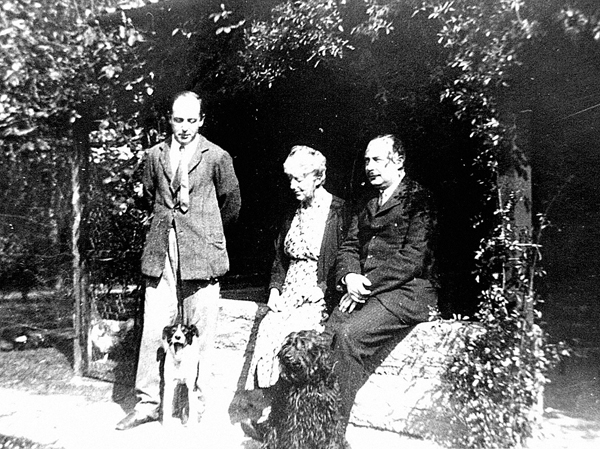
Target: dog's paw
(256,431)
(248,404)
(265,415)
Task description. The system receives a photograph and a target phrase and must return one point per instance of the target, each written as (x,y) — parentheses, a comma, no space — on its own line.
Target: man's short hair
(397,145)
(306,159)
(188,94)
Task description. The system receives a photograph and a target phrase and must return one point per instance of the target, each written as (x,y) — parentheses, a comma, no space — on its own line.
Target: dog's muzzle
(178,341)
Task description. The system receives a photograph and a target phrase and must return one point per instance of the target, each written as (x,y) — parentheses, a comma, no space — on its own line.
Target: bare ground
(572,399)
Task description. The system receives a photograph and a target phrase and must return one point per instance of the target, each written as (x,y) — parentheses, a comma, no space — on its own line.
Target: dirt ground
(572,399)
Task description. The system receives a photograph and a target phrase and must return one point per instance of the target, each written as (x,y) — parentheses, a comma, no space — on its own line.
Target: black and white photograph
(300,224)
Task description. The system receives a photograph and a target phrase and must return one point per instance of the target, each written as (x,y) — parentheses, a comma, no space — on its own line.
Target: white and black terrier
(305,413)
(180,368)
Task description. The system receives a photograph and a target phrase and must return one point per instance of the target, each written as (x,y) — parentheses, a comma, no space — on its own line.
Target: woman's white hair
(307,160)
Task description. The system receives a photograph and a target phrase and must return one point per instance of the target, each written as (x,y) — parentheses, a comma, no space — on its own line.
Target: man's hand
(274,302)
(347,304)
(357,291)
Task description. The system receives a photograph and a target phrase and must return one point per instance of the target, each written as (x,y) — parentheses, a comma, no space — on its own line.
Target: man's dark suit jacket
(391,246)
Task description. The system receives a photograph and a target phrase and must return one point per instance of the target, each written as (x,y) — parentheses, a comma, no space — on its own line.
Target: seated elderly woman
(303,274)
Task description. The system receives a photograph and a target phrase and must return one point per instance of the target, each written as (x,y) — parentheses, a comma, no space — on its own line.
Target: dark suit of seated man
(384,267)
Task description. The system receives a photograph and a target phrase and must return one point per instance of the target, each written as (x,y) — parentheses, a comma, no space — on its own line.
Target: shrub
(494,381)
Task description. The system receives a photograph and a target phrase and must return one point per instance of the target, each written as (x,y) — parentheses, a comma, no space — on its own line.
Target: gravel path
(74,422)
(42,406)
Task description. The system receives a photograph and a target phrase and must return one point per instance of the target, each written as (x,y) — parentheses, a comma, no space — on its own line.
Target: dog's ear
(167,334)
(194,330)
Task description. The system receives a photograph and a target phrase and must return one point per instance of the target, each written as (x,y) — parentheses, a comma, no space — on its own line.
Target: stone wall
(402,394)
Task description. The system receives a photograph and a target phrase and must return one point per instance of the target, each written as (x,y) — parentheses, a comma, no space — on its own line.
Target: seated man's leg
(356,337)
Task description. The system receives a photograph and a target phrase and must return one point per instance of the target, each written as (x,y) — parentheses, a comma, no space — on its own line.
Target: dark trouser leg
(356,337)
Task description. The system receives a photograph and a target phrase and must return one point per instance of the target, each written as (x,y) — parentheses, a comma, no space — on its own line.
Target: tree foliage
(64,75)
(297,31)
(76,77)
(581,20)
(480,40)
(60,62)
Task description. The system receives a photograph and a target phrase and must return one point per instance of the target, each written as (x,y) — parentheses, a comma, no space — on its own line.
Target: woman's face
(304,185)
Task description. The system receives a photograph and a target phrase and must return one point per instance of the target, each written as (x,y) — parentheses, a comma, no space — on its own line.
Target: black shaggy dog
(305,413)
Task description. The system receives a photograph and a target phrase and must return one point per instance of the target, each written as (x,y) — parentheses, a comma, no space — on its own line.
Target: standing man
(384,266)
(196,195)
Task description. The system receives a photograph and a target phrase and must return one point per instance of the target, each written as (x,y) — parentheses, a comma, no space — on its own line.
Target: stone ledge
(397,392)
(402,394)
(403,391)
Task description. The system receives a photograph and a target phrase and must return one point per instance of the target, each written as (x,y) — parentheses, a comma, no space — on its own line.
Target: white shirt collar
(386,193)
(175,154)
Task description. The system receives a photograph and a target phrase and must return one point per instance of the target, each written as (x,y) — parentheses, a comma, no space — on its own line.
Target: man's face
(382,165)
(186,119)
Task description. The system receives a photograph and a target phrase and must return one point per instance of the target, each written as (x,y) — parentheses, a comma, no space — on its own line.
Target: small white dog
(181,368)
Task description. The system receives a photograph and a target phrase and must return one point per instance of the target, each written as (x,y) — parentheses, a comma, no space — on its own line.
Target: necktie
(181,182)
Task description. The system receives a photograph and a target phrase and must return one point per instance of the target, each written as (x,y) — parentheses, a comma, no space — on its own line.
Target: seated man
(384,266)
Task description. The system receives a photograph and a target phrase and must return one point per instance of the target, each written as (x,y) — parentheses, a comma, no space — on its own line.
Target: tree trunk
(80,289)
(519,182)
(54,209)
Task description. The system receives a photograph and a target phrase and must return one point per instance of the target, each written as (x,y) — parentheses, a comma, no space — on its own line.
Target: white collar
(176,155)
(386,193)
(176,145)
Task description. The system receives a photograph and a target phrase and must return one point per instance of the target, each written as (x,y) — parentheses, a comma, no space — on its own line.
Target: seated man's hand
(356,286)
(357,291)
(347,304)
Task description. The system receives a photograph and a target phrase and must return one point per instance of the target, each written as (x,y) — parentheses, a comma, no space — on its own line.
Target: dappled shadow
(64,344)
(248,405)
